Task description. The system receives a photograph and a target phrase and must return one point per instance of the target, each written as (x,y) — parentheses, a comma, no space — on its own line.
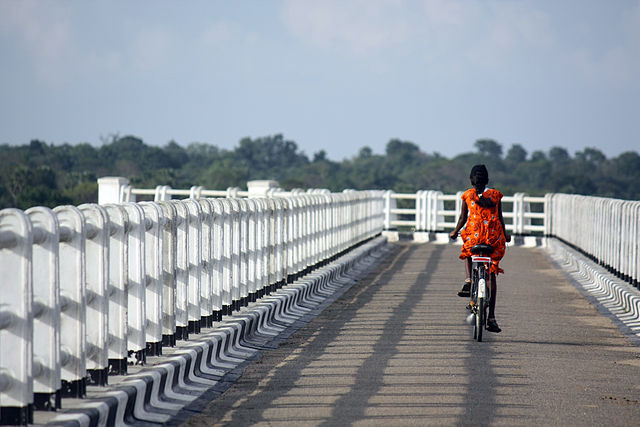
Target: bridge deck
(395,350)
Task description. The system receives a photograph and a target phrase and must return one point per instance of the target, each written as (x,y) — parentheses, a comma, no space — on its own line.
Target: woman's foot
(492,326)
(466,290)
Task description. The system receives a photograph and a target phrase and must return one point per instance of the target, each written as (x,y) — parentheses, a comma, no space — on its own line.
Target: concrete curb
(613,297)
(187,377)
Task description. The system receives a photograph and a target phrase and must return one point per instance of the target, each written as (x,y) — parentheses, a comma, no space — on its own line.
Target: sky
(332,75)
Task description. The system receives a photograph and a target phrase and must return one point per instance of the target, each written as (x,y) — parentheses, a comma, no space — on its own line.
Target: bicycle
(480,292)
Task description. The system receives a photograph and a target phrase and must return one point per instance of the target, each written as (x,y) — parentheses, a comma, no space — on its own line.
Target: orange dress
(483,226)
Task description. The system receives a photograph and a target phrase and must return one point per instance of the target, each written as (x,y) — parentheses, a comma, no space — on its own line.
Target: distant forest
(41,174)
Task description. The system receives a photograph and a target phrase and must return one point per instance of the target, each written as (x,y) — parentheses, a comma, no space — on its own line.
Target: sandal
(466,290)
(492,326)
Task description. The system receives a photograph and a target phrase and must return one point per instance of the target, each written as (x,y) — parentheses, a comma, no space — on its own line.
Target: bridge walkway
(394,350)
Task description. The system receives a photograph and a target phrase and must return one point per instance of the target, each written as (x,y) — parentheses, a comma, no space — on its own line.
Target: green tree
(489,148)
(516,155)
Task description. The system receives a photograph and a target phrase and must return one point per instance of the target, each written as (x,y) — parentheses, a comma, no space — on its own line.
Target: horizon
(472,150)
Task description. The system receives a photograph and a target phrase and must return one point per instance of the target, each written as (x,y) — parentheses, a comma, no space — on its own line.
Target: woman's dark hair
(479,177)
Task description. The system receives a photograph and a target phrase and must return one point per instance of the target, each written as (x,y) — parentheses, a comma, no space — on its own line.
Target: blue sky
(333,75)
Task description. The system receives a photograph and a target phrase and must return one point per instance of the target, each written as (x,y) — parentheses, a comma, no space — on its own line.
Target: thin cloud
(362,26)
(43,32)
(153,48)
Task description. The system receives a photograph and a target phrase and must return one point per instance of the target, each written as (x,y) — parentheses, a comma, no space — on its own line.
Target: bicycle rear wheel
(480,320)
(481,289)
(474,301)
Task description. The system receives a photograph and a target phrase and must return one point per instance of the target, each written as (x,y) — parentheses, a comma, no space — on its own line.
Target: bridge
(134,312)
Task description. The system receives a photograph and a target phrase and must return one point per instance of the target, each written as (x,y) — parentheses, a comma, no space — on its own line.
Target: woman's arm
(507,236)
(464,212)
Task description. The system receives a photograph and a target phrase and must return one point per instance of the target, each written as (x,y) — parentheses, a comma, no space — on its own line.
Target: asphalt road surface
(394,350)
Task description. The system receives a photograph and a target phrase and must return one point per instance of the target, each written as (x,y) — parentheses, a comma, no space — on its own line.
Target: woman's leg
(466,286)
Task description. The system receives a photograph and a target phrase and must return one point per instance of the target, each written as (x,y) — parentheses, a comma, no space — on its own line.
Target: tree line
(41,174)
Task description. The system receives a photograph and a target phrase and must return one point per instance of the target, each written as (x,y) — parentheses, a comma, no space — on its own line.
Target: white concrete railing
(606,230)
(87,290)
(429,212)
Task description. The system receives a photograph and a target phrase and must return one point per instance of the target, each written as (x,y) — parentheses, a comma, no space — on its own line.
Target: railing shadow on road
(373,364)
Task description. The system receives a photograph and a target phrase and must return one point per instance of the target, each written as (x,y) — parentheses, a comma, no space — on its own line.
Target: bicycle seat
(482,249)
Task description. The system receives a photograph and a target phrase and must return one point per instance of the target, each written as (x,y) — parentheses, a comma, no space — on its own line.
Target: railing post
(243,290)
(389,205)
(548,216)
(72,301)
(46,309)
(154,221)
(288,242)
(278,248)
(111,189)
(235,253)
(162,193)
(182,271)
(437,206)
(169,248)
(97,281)
(262,218)
(227,256)
(518,214)
(217,258)
(136,290)
(16,318)
(206,256)
(253,240)
(117,288)
(195,192)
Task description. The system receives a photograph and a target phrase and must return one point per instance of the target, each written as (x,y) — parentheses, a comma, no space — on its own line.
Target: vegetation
(40,174)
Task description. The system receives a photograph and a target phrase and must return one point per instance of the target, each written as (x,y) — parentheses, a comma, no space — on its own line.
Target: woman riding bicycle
(482,214)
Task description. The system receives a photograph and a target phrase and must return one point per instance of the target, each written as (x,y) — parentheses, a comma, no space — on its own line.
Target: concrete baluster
(252,250)
(168,283)
(276,242)
(299,237)
(136,289)
(46,309)
(315,240)
(264,217)
(16,318)
(154,259)
(182,270)
(290,239)
(194,264)
(73,342)
(635,242)
(243,284)
(389,205)
(438,207)
(117,288)
(235,254)
(195,192)
(217,257)
(162,193)
(206,278)
(97,276)
(227,257)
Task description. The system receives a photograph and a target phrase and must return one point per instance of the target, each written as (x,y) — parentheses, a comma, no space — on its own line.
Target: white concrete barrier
(16,317)
(97,299)
(73,306)
(47,384)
